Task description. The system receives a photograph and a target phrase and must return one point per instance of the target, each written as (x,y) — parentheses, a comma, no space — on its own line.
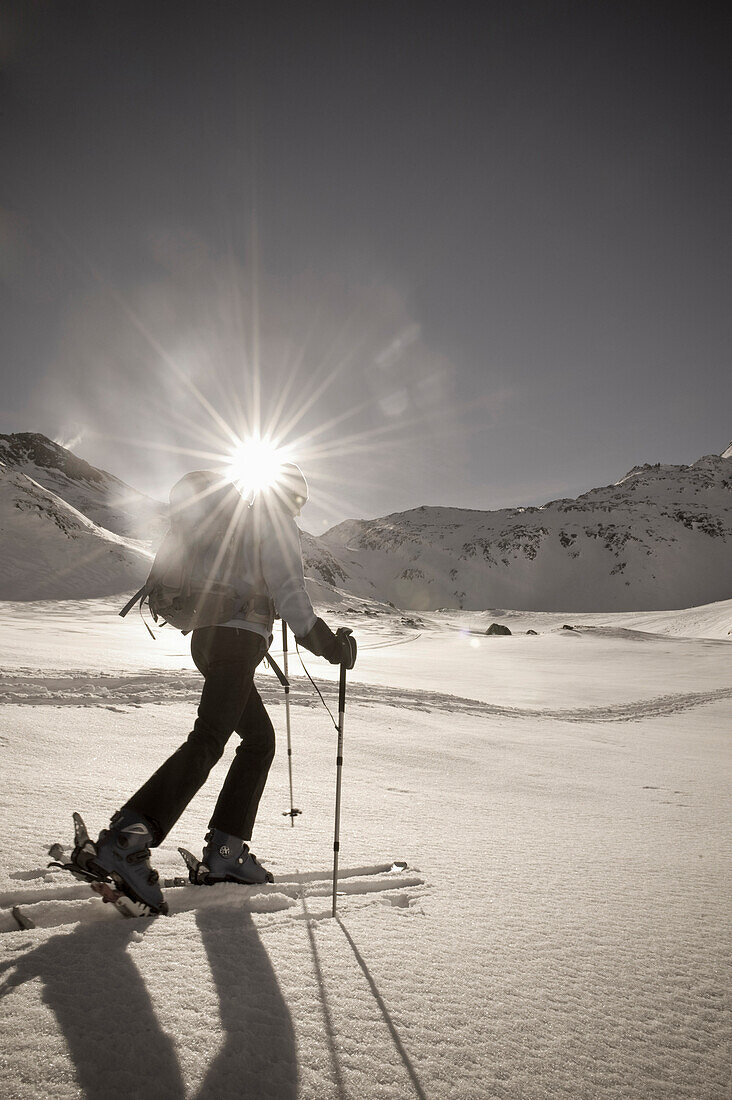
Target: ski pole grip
(348,648)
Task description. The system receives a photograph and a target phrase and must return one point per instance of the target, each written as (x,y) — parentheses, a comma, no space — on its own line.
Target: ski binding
(122,902)
(198,872)
(106,884)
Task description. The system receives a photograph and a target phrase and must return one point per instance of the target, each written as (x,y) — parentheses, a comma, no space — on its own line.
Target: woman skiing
(254,567)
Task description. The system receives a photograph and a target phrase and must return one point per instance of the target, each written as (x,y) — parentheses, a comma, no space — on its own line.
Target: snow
(52,550)
(561,930)
(660,537)
(100,496)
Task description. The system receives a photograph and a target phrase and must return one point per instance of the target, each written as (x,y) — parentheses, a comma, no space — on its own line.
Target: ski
(175,882)
(52,908)
(82,864)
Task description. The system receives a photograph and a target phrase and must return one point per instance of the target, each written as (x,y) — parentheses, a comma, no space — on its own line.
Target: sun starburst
(255,464)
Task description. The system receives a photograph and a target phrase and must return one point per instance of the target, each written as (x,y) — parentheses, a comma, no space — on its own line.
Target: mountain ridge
(658,538)
(105,499)
(51,550)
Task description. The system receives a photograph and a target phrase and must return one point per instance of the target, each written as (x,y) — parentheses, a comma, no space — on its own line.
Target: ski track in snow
(118,692)
(52,908)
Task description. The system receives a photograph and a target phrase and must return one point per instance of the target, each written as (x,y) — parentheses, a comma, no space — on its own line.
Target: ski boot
(111,886)
(226,858)
(123,852)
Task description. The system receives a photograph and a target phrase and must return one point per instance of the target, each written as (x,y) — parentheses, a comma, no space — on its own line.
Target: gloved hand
(338,648)
(348,646)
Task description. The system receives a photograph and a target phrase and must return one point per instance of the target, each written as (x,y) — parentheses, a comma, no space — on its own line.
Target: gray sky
(489,242)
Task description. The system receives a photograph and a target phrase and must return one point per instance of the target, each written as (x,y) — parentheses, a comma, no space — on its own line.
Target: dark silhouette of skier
(259,558)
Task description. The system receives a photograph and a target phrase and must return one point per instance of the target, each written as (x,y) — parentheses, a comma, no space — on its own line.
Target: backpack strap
(139,595)
(277,671)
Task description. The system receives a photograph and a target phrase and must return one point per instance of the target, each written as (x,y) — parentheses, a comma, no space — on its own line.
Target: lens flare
(255,465)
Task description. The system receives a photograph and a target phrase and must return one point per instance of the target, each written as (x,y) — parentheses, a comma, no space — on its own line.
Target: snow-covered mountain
(98,495)
(50,550)
(661,537)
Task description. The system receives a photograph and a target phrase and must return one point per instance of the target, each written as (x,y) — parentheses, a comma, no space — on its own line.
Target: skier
(269,574)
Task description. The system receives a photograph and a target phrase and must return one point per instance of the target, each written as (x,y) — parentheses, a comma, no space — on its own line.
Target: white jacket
(270,563)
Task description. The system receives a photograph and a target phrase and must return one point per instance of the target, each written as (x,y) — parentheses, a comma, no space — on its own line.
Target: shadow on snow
(113,1035)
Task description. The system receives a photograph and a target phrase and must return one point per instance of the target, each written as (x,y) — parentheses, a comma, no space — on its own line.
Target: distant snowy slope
(661,537)
(49,550)
(713,620)
(323,566)
(100,496)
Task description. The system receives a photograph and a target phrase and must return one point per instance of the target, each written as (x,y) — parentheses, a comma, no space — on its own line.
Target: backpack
(192,580)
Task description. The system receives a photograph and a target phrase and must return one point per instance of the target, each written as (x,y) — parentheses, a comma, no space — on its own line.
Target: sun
(255,464)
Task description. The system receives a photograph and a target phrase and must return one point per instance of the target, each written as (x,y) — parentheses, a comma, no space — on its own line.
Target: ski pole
(293,812)
(339,769)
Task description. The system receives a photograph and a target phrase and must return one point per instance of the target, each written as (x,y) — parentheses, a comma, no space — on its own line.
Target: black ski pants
(227,658)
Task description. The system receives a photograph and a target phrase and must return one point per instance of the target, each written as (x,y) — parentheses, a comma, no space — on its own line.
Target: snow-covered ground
(562,928)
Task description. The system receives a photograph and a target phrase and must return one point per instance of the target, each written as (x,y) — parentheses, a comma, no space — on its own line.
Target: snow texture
(561,930)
